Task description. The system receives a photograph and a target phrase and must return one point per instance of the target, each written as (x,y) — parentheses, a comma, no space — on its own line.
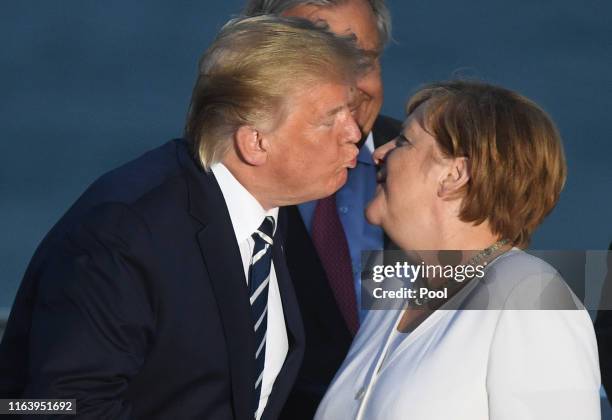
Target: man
(164,292)
(326,237)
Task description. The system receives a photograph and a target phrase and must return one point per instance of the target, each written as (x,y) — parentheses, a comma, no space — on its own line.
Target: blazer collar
(224,266)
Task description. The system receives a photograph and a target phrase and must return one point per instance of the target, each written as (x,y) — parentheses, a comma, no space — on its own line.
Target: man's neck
(251,179)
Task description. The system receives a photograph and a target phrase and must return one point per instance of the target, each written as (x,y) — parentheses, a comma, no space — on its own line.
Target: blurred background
(86,86)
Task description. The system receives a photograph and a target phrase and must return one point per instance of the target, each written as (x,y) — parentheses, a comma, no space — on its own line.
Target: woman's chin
(373,214)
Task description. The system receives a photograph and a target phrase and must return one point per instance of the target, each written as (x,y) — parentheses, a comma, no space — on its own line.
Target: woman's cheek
(375,209)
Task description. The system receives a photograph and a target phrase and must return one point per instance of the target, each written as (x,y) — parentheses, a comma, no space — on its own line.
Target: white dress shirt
(247,215)
(497,364)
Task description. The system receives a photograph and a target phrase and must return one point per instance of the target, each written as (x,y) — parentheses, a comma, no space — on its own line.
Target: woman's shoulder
(519,280)
(519,263)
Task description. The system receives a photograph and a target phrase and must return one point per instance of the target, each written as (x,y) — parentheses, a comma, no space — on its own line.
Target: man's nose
(381,152)
(353,133)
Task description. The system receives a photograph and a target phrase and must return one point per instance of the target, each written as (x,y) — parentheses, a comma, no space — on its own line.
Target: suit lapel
(293,321)
(385,129)
(291,311)
(224,266)
(308,275)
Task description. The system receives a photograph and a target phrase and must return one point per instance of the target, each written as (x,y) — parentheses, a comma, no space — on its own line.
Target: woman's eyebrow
(402,138)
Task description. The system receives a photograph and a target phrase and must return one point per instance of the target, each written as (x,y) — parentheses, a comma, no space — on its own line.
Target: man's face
(354,17)
(313,147)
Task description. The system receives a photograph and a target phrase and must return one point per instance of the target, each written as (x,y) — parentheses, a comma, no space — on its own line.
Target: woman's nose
(381,152)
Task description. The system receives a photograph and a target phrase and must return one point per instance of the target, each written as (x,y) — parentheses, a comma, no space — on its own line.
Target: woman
(476,167)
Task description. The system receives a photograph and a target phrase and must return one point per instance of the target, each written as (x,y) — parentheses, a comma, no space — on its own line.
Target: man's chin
(341,179)
(337,183)
(331,188)
(366,125)
(365,130)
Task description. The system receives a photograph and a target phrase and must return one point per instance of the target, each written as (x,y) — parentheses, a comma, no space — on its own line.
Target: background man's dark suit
(137,302)
(603,330)
(327,335)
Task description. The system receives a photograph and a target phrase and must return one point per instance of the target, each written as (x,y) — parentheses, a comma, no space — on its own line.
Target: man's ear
(250,145)
(454,178)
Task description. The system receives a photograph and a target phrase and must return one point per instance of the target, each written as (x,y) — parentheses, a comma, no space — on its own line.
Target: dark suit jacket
(327,336)
(603,330)
(136,303)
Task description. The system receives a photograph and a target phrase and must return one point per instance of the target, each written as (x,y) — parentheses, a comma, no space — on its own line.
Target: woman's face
(409,181)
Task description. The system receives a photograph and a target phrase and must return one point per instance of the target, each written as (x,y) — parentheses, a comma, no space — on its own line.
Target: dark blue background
(86,86)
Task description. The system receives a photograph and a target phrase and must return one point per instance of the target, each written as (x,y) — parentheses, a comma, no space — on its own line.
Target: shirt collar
(366,151)
(245,211)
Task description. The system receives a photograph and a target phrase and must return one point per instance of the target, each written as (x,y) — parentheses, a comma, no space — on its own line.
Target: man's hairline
(284,109)
(380,45)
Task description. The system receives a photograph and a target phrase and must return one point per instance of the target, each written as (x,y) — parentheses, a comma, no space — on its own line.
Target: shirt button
(343,209)
(359,395)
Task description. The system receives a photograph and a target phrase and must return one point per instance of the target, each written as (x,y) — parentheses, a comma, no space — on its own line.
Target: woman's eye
(401,140)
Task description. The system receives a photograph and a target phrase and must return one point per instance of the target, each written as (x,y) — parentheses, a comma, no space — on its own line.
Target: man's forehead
(353,17)
(329,91)
(324,99)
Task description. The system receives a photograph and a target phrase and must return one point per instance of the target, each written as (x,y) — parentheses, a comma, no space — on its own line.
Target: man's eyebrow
(373,54)
(334,111)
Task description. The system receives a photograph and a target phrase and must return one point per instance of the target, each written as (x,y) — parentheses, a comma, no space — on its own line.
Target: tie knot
(266,230)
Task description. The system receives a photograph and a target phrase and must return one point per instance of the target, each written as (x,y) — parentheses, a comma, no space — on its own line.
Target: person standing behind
(603,329)
(325,238)
(163,292)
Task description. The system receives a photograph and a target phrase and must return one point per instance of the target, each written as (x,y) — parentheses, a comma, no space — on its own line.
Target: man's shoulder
(137,177)
(151,178)
(385,128)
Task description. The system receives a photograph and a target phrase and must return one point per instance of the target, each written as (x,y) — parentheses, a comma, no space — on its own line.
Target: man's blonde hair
(250,70)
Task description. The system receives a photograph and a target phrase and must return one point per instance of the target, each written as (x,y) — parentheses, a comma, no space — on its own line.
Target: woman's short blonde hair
(515,156)
(252,67)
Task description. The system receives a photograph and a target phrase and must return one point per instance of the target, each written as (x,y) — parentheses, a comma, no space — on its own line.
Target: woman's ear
(250,145)
(455,178)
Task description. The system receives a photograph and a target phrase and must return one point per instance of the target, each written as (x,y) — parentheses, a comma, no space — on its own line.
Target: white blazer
(497,364)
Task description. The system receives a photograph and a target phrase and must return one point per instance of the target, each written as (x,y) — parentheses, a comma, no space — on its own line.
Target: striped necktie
(259,278)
